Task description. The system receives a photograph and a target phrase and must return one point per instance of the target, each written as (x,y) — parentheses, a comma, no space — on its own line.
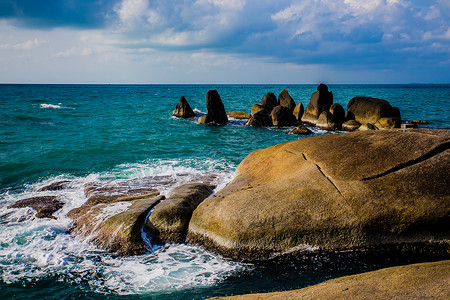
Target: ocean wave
(52,106)
(32,249)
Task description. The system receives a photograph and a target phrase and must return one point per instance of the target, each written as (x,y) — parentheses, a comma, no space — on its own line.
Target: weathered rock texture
(183,110)
(327,121)
(298,111)
(169,220)
(115,227)
(376,189)
(418,281)
(44,205)
(284,99)
(320,101)
(215,110)
(370,110)
(301,129)
(55,186)
(350,125)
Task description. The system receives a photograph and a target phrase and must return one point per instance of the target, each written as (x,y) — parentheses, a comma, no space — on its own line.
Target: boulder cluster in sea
(363,113)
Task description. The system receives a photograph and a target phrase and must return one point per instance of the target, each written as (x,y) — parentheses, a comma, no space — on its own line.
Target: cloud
(74,51)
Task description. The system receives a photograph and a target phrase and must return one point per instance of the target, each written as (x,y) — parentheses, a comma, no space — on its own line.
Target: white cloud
(74,51)
(28,45)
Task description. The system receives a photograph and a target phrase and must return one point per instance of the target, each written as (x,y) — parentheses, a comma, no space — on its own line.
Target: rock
(55,186)
(338,113)
(350,125)
(215,111)
(298,111)
(417,281)
(320,101)
(260,119)
(169,220)
(367,126)
(121,190)
(115,227)
(388,123)
(370,110)
(44,205)
(283,116)
(284,99)
(269,101)
(183,110)
(239,115)
(421,122)
(326,121)
(356,190)
(256,108)
(301,129)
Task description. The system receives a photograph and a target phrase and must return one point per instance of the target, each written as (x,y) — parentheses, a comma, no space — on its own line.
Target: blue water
(97,132)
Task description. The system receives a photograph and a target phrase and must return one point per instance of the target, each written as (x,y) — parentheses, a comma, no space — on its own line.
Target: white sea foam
(52,106)
(32,248)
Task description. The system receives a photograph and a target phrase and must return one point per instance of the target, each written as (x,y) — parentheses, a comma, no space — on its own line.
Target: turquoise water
(97,132)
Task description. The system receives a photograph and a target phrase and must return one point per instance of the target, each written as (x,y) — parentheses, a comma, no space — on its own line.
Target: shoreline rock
(416,281)
(215,110)
(183,110)
(357,190)
(45,206)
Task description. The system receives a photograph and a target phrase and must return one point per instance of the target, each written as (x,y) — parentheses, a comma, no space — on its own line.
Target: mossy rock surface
(417,281)
(338,191)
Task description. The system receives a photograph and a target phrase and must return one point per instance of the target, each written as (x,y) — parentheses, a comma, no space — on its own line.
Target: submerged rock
(373,189)
(215,110)
(417,281)
(115,227)
(239,115)
(55,186)
(301,129)
(44,205)
(183,110)
(168,221)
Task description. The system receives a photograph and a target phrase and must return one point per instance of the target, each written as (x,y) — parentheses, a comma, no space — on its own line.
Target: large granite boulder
(115,227)
(370,110)
(338,113)
(417,281)
(357,190)
(298,111)
(327,121)
(283,116)
(169,220)
(269,101)
(183,110)
(44,206)
(215,111)
(261,118)
(320,101)
(284,99)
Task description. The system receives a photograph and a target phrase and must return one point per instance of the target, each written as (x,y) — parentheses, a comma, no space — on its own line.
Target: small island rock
(183,110)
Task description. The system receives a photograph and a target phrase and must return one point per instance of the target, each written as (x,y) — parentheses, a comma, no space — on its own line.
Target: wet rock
(301,129)
(421,122)
(320,101)
(284,99)
(183,110)
(120,190)
(55,186)
(169,220)
(350,125)
(283,116)
(239,115)
(357,190)
(215,110)
(115,227)
(44,205)
(370,110)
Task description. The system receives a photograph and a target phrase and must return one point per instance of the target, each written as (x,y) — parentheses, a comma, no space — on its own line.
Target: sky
(224,41)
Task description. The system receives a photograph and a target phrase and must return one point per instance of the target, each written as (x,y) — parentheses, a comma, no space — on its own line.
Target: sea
(89,133)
